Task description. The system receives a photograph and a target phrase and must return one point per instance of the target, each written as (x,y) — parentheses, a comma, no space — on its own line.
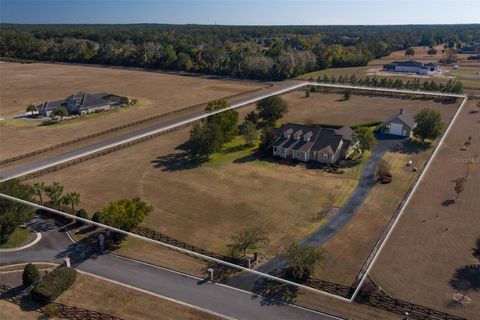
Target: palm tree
(73,199)
(38,188)
(55,192)
(31,108)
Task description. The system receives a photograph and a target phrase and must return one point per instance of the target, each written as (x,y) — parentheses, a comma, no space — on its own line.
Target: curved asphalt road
(55,245)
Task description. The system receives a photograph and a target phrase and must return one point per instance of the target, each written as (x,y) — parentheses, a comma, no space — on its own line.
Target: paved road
(55,245)
(336,223)
(134,135)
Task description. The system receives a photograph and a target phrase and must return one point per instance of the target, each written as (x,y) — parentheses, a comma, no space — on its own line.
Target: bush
(81,213)
(30,275)
(53,284)
(97,217)
(51,310)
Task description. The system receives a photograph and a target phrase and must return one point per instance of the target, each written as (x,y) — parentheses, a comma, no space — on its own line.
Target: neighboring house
(401,124)
(411,67)
(469,50)
(83,103)
(314,143)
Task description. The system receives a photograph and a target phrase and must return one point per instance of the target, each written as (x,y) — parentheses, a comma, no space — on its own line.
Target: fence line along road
(202,116)
(154,131)
(127,125)
(169,246)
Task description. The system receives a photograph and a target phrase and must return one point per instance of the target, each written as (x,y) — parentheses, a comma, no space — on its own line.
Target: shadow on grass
(177,161)
(476,250)
(411,146)
(466,278)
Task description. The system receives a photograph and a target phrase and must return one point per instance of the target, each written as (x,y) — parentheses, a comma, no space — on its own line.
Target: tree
(302,260)
(184,62)
(452,56)
(227,120)
(39,188)
(307,93)
(250,133)
(97,217)
(365,137)
(30,275)
(252,116)
(55,193)
(126,214)
(271,109)
(205,139)
(249,239)
(459,186)
(429,124)
(432,51)
(53,284)
(61,112)
(31,108)
(71,198)
(267,139)
(347,94)
(81,213)
(12,213)
(410,52)
(383,173)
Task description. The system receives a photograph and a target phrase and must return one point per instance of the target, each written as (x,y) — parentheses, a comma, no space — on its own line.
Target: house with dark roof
(411,67)
(401,124)
(82,103)
(314,143)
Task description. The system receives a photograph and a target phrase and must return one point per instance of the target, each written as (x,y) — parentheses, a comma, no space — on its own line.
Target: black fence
(61,310)
(155,235)
(127,125)
(401,307)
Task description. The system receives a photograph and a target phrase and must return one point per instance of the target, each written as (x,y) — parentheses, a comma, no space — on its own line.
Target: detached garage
(400,125)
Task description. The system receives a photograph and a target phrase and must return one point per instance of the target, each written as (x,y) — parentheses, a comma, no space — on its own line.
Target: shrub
(81,213)
(53,284)
(97,217)
(30,275)
(51,310)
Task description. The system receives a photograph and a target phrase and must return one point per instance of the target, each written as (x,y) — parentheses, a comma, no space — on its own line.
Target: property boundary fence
(401,307)
(155,235)
(62,310)
(127,125)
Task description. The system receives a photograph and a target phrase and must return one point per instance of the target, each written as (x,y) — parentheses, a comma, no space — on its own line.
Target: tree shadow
(40,225)
(176,162)
(274,292)
(411,146)
(466,278)
(476,250)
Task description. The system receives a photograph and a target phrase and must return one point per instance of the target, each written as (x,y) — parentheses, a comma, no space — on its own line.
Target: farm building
(83,103)
(411,67)
(401,124)
(314,143)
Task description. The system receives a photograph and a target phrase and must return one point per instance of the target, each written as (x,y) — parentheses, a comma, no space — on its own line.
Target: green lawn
(18,238)
(237,148)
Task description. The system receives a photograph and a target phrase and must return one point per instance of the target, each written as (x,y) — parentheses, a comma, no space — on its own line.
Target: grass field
(18,238)
(205,205)
(102,296)
(432,241)
(22,84)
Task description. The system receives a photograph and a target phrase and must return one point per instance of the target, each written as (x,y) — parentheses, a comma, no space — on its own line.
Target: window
(325,156)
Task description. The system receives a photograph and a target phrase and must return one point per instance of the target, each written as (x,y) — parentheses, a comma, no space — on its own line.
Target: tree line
(451,86)
(256,52)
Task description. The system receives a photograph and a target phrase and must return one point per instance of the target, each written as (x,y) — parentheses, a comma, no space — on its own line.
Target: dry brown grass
(21,84)
(431,241)
(11,311)
(106,297)
(323,108)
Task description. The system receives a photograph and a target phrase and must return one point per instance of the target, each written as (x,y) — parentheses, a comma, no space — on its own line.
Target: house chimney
(402,111)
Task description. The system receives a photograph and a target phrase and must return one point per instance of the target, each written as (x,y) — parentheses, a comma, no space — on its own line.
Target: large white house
(412,67)
(314,143)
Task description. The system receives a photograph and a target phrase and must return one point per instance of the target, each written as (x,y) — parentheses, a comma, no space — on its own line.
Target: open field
(467,72)
(158,93)
(321,108)
(205,205)
(432,241)
(102,296)
(10,311)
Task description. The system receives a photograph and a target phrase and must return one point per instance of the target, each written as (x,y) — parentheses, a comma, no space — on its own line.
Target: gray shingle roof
(405,117)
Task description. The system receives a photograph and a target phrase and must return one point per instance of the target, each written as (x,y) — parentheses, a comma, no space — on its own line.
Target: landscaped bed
(20,237)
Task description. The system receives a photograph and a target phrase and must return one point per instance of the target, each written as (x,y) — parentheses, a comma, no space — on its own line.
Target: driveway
(337,222)
(55,245)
